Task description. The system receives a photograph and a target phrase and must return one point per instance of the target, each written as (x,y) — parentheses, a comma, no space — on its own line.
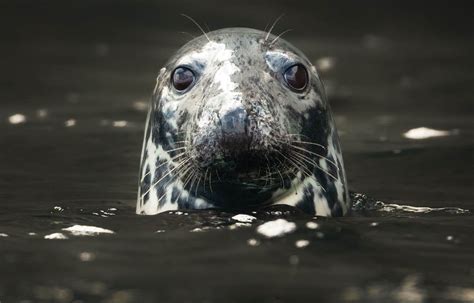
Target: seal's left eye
(296,76)
(182,78)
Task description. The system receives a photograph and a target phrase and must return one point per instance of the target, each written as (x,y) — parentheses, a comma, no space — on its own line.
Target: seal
(239,120)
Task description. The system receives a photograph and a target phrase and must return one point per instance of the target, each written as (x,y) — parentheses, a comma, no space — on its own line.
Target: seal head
(239,119)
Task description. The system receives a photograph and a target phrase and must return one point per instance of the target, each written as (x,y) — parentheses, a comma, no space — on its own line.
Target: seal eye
(182,78)
(296,76)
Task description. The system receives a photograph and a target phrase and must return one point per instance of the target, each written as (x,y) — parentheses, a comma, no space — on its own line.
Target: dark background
(397,65)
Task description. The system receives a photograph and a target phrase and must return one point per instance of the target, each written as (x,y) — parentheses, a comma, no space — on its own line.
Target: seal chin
(238,194)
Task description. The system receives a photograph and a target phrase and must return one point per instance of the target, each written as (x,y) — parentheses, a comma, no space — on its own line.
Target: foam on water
(85,230)
(391,207)
(55,236)
(276,228)
(244,218)
(362,203)
(426,133)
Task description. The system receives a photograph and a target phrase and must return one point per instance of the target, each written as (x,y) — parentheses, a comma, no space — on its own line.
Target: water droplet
(301,243)
(294,260)
(86,256)
(253,242)
(70,123)
(312,225)
(120,123)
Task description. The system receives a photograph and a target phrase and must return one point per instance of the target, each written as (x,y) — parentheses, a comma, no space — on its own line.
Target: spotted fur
(239,71)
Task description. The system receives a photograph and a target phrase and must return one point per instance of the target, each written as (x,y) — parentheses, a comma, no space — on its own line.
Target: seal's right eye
(296,76)
(182,78)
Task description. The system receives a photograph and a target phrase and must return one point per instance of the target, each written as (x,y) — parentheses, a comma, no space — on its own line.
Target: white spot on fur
(211,51)
(223,75)
(297,194)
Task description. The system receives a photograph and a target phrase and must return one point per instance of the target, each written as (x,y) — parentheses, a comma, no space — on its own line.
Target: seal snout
(230,145)
(234,131)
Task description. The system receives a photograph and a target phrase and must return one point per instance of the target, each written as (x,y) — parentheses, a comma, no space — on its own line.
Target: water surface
(75,82)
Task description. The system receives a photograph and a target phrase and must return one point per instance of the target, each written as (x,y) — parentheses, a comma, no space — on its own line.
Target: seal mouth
(251,167)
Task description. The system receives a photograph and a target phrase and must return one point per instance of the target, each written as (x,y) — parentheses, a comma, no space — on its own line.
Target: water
(74,84)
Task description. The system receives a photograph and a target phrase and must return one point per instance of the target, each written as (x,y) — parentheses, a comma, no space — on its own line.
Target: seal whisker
(186,180)
(218,177)
(302,156)
(269,174)
(281,177)
(165,186)
(184,187)
(205,176)
(304,167)
(294,163)
(197,186)
(318,166)
(184,170)
(169,172)
(301,136)
(175,149)
(178,172)
(273,25)
(197,24)
(313,153)
(195,175)
(266,178)
(166,162)
(281,34)
(186,33)
(285,170)
(291,142)
(309,143)
(210,181)
(207,27)
(266,26)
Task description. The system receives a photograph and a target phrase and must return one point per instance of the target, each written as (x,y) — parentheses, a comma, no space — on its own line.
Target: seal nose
(233,122)
(233,126)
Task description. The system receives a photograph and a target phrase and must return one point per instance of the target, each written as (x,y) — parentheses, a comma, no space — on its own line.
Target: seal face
(239,120)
